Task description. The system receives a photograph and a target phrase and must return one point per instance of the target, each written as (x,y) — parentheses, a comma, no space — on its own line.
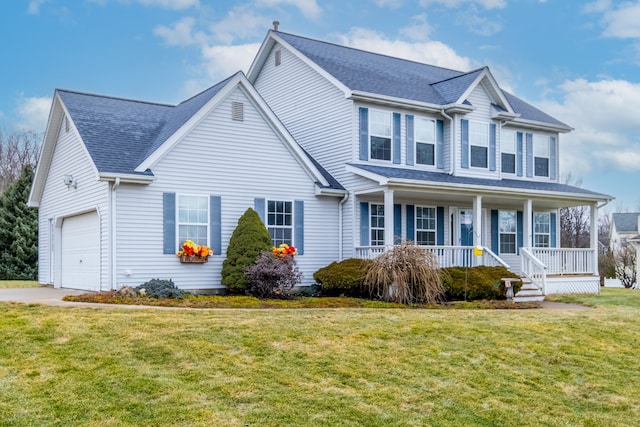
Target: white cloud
(241,22)
(419,28)
(309,8)
(223,61)
(33,113)
(391,4)
(180,33)
(597,6)
(165,4)
(487,4)
(34,6)
(429,52)
(622,22)
(607,131)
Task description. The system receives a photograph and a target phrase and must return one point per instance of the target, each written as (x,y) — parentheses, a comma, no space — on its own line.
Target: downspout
(451,145)
(341,225)
(112,232)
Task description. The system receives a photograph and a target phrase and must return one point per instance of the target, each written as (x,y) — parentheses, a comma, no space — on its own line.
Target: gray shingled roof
(626,222)
(439,177)
(400,78)
(121,133)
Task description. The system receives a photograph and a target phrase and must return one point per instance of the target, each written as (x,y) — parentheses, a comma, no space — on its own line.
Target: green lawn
(321,367)
(18,284)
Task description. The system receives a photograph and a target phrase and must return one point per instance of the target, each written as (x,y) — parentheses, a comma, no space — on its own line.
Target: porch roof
(429,180)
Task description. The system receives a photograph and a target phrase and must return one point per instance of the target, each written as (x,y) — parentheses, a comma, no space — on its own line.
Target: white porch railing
(534,269)
(448,256)
(567,260)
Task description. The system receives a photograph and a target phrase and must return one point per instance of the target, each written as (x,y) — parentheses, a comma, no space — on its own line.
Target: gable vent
(278,57)
(237,111)
(66,124)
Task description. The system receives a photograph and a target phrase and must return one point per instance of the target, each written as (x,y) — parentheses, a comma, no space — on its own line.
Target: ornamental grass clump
(407,274)
(274,274)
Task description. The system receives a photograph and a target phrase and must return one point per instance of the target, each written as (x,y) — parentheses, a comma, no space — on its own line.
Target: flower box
(193,259)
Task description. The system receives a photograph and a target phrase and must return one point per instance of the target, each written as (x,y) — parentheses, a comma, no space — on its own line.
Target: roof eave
(375,98)
(533,124)
(333,192)
(126,178)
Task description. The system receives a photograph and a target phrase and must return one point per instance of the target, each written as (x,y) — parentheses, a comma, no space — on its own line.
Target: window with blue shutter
(410,140)
(520,230)
(215,226)
(298,222)
(364,224)
(464,142)
(553,230)
(397,224)
(439,144)
(259,206)
(492,146)
(494,232)
(396,138)
(519,148)
(552,160)
(440,225)
(364,133)
(529,149)
(411,223)
(169,244)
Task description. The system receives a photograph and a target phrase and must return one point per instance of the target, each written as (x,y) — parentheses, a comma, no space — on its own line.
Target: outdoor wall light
(70,181)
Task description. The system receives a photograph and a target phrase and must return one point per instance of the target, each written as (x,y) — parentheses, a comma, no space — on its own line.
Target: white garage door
(80,267)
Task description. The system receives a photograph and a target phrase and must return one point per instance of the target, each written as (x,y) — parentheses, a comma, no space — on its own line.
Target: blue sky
(578,61)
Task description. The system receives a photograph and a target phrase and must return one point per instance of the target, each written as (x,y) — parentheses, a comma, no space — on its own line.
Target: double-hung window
(479,144)
(193,219)
(541,230)
(377,224)
(425,136)
(425,225)
(280,222)
(507,227)
(508,152)
(541,155)
(380,128)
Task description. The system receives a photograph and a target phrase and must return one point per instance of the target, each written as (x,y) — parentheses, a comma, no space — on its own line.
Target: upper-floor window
(425,225)
(425,136)
(507,228)
(508,152)
(479,144)
(377,224)
(380,129)
(193,219)
(280,222)
(540,155)
(541,230)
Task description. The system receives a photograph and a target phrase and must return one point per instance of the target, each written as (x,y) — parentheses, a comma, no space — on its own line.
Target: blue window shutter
(552,230)
(411,223)
(492,147)
(215,226)
(169,245)
(519,230)
(495,242)
(439,144)
(397,224)
(529,155)
(440,225)
(519,154)
(411,149)
(364,133)
(259,206)
(364,224)
(396,138)
(552,157)
(464,143)
(298,226)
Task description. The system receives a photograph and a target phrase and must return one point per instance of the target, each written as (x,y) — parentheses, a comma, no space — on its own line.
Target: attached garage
(80,252)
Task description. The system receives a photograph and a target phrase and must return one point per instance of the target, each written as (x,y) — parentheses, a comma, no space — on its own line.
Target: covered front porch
(475,225)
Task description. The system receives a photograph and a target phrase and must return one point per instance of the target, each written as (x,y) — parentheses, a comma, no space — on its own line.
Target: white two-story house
(444,158)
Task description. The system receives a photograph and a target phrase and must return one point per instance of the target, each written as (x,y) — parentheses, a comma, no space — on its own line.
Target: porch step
(529,293)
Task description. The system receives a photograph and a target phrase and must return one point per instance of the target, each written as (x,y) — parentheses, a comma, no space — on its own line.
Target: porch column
(388,218)
(594,237)
(477,221)
(527,225)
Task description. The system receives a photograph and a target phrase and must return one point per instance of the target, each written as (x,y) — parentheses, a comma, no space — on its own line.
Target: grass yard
(18,284)
(322,367)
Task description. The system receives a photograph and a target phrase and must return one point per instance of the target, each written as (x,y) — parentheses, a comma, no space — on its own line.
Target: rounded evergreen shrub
(343,278)
(477,283)
(248,240)
(160,288)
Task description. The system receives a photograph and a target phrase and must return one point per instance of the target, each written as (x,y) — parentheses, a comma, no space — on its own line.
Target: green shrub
(248,240)
(159,288)
(342,278)
(476,283)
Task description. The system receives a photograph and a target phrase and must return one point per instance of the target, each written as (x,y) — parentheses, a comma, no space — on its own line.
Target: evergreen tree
(18,231)
(247,241)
